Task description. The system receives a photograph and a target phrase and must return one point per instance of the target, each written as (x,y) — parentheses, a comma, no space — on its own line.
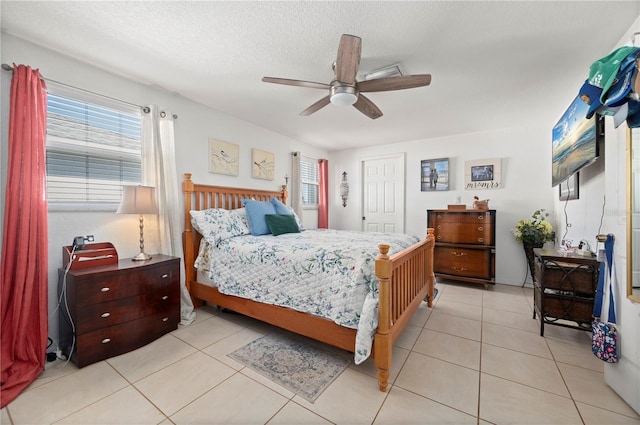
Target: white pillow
(216,225)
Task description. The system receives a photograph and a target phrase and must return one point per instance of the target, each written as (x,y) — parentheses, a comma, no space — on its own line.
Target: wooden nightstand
(564,289)
(117,308)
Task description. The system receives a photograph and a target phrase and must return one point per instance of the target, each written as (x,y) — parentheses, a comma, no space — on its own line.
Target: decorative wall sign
(262,164)
(482,174)
(569,189)
(223,157)
(344,189)
(434,174)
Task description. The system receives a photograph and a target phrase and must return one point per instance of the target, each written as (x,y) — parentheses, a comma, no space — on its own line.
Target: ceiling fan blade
(394,83)
(348,58)
(298,83)
(367,107)
(318,105)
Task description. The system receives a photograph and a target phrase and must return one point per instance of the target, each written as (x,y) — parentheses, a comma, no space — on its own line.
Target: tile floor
(475,358)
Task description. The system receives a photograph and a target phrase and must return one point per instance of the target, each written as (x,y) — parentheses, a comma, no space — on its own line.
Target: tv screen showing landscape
(575,142)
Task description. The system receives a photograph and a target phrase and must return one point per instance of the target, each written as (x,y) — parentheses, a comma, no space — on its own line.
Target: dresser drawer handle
(165,297)
(458,254)
(481,217)
(105,289)
(480,239)
(166,275)
(439,227)
(106,340)
(438,237)
(105,315)
(459,269)
(480,229)
(165,319)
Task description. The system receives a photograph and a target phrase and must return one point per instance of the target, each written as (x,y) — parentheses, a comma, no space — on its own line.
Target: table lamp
(139,200)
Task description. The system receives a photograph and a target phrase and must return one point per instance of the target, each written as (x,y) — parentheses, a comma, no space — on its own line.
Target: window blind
(310,184)
(92,151)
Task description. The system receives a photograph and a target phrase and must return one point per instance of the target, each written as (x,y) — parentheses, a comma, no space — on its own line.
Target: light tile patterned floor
(475,358)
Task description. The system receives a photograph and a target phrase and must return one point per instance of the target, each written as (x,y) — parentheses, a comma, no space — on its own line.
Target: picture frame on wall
(570,188)
(262,164)
(223,157)
(434,175)
(483,174)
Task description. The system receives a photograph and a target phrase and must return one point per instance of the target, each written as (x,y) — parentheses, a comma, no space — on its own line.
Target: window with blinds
(309,177)
(94,147)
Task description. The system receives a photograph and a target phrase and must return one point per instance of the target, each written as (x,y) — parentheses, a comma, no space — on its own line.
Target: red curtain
(24,287)
(323,194)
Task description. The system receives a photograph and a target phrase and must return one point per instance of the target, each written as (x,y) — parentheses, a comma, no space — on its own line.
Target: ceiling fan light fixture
(343,95)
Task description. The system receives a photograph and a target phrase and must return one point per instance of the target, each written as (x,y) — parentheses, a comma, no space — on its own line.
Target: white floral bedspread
(327,273)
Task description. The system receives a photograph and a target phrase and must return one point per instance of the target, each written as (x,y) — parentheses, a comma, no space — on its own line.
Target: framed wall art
(483,174)
(262,164)
(569,189)
(434,174)
(223,157)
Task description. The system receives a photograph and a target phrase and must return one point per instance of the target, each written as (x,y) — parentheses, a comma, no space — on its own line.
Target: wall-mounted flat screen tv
(575,141)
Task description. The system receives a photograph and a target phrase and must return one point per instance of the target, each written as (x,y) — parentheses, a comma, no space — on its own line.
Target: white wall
(193,128)
(526,175)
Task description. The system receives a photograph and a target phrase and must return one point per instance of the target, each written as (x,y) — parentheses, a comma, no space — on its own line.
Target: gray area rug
(295,362)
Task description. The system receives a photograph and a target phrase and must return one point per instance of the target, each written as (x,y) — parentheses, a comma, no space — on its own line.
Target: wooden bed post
(285,194)
(431,279)
(382,343)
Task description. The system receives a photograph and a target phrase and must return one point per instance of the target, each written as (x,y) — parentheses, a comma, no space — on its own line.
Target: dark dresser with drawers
(465,244)
(110,310)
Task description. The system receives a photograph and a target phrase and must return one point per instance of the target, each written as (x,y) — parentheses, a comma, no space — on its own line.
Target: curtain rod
(144,109)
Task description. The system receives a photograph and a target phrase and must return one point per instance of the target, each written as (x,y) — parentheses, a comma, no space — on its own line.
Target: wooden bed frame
(406,279)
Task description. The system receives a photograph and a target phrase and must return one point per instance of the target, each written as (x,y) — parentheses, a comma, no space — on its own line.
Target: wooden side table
(110,310)
(564,288)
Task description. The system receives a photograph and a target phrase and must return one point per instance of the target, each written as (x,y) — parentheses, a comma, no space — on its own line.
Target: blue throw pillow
(283,209)
(256,212)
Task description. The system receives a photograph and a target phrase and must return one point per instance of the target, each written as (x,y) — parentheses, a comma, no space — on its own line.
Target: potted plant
(533,233)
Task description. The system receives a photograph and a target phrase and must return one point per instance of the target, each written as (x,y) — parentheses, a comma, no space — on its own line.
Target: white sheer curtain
(159,165)
(296,185)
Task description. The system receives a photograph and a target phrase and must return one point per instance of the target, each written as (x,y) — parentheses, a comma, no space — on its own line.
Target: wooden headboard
(201,197)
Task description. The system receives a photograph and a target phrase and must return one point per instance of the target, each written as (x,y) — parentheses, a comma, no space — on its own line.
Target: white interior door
(383,193)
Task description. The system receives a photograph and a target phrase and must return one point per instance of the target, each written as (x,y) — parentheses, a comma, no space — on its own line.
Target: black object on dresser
(110,310)
(465,244)
(564,288)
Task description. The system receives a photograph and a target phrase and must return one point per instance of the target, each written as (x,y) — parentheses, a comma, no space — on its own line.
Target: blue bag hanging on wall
(604,336)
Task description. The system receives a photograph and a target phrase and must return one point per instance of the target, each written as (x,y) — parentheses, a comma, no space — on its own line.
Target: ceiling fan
(345,90)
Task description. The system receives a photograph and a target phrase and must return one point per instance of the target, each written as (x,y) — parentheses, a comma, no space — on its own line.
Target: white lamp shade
(138,200)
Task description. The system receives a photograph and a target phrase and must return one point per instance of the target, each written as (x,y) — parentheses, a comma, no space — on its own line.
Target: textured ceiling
(493,64)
